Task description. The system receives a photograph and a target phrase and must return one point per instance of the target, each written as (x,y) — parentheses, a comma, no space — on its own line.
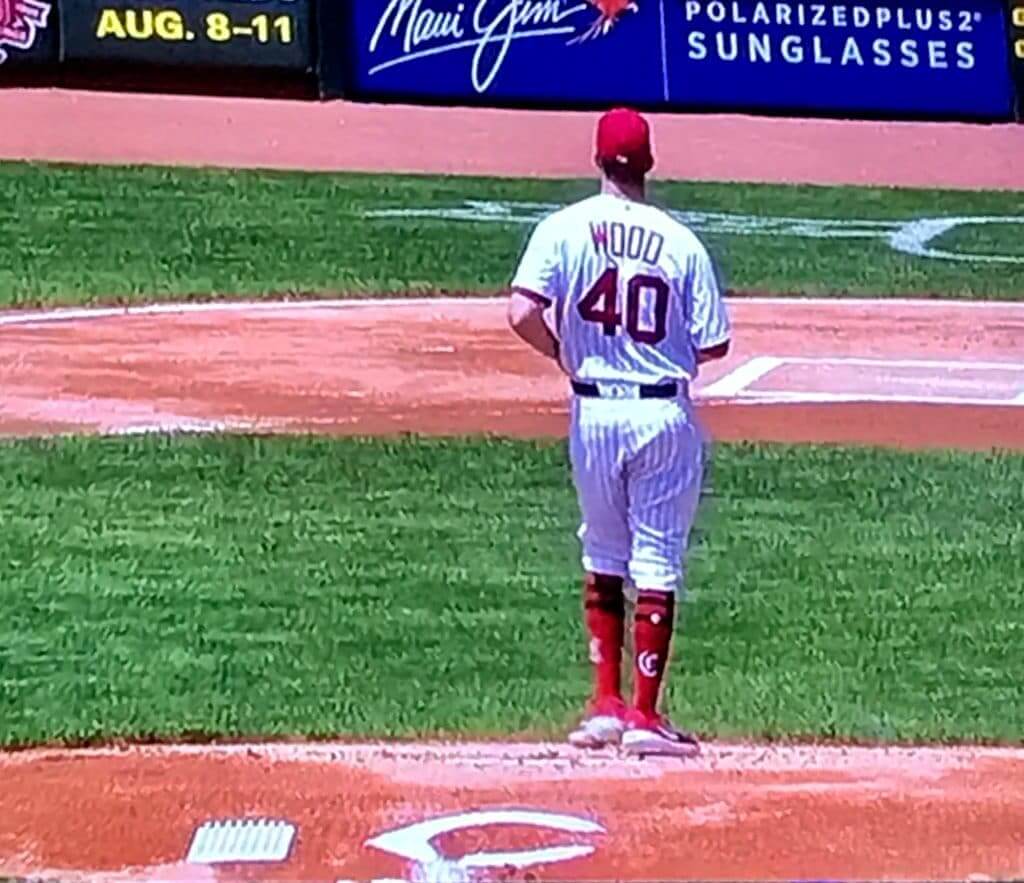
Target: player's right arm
(536,286)
(710,329)
(526,318)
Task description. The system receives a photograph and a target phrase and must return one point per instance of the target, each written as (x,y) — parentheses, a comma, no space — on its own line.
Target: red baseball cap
(624,137)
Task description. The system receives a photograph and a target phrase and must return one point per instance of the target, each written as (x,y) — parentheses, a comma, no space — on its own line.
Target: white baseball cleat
(602,727)
(656,736)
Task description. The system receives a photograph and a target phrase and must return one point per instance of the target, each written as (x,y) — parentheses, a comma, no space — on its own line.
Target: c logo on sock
(647,663)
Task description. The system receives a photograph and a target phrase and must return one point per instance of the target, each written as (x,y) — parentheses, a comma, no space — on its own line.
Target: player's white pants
(637,465)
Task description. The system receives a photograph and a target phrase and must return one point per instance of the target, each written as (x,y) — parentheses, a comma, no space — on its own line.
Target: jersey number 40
(601,305)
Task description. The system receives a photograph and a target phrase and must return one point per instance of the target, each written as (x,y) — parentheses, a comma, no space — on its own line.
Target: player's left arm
(536,287)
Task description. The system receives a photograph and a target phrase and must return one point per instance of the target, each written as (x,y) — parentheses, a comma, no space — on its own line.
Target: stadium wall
(878,59)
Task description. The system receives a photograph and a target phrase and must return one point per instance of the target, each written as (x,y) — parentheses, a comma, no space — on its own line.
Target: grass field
(80,235)
(160,587)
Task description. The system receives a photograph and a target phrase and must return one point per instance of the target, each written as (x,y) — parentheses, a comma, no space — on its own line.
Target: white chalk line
(74,314)
(740,378)
(924,364)
(734,387)
(910,237)
(779,397)
(180,425)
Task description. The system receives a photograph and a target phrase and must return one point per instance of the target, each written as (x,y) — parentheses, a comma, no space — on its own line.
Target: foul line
(739,379)
(74,314)
(936,364)
(734,386)
(775,397)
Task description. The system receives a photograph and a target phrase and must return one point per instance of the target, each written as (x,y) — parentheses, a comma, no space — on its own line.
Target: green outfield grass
(226,586)
(86,234)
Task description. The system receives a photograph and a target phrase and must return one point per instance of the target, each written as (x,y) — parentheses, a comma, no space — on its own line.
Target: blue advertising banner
(945,59)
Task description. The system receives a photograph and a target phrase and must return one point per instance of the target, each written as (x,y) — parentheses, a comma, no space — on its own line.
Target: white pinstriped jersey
(634,292)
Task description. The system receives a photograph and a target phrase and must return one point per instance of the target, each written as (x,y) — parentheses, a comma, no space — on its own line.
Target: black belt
(645,391)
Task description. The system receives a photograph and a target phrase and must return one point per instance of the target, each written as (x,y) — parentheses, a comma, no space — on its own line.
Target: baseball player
(626,300)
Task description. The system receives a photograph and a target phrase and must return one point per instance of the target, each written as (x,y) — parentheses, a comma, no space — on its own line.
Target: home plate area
(770,379)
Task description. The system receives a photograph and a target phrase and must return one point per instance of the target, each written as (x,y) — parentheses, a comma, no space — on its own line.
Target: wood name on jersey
(601,303)
(634,242)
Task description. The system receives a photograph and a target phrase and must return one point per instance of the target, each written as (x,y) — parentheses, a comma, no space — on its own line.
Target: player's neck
(624,189)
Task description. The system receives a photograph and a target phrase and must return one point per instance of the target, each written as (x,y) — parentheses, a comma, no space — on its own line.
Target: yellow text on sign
(220,28)
(1018,17)
(1020,48)
(142,24)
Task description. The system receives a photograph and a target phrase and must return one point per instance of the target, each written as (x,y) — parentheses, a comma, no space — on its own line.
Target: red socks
(653,625)
(605,614)
(654,622)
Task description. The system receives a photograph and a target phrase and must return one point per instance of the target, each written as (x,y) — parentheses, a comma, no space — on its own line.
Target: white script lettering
(489,31)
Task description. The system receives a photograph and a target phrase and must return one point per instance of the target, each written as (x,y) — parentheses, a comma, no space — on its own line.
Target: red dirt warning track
(175,130)
(898,373)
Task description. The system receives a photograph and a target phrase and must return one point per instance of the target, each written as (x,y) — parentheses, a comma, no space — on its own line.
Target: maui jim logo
(20,21)
(413,30)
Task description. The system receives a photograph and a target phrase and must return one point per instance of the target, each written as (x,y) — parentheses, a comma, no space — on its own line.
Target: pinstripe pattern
(637,466)
(637,463)
(570,250)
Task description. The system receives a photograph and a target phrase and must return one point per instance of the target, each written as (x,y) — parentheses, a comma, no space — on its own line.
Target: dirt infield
(899,373)
(909,374)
